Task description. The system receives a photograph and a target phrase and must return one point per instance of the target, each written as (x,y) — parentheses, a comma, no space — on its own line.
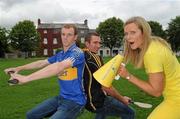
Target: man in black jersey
(101,100)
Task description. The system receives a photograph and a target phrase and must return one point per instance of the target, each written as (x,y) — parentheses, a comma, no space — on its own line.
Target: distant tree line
(25,38)
(22,37)
(111,31)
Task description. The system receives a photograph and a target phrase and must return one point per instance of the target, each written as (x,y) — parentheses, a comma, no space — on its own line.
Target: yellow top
(159,58)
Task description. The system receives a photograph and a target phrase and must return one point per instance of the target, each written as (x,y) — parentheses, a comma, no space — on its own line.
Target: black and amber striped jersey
(93,89)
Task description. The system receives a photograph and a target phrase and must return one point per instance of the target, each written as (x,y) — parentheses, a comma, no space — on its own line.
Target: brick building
(50,39)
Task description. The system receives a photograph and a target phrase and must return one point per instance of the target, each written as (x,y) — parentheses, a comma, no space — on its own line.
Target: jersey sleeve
(77,57)
(153,63)
(52,59)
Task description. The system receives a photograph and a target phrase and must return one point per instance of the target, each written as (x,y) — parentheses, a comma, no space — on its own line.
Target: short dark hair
(71,26)
(89,35)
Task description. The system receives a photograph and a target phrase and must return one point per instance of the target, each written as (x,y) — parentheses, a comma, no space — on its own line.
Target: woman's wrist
(128,77)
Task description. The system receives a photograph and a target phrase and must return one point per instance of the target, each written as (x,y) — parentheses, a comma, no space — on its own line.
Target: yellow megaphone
(106,74)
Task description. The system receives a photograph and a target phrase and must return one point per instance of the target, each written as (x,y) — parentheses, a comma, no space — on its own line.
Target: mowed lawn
(16,100)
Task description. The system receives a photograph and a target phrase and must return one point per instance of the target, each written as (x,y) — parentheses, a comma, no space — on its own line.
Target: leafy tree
(157,29)
(174,33)
(3,41)
(111,32)
(24,37)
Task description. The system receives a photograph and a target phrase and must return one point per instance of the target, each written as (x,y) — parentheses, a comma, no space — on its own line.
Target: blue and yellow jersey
(71,79)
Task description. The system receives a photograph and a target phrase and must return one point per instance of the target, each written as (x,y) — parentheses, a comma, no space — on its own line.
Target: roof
(60,25)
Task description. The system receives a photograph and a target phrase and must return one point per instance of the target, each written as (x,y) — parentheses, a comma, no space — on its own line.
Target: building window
(33,53)
(82,39)
(45,52)
(45,31)
(45,41)
(55,41)
(56,31)
(115,52)
(82,31)
(107,52)
(101,53)
(54,51)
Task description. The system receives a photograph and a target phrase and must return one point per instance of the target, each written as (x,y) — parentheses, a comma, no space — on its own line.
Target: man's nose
(65,36)
(98,45)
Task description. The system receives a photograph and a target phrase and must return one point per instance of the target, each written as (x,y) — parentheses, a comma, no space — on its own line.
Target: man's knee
(30,115)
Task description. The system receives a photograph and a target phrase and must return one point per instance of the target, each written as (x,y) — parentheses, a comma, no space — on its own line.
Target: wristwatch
(128,76)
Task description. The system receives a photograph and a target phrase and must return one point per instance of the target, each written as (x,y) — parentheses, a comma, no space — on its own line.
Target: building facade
(50,36)
(105,52)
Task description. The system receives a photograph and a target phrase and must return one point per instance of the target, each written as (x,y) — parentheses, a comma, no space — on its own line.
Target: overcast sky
(95,11)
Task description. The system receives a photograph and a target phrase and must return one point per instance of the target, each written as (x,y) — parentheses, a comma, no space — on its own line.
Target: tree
(111,32)
(174,33)
(3,41)
(24,37)
(157,29)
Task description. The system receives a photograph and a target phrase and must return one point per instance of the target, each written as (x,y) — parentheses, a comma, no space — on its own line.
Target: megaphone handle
(117,77)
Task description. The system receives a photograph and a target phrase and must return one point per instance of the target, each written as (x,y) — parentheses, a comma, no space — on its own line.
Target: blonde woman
(160,63)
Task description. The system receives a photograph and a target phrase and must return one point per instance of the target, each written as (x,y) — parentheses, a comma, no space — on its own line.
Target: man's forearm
(33,65)
(116,94)
(48,71)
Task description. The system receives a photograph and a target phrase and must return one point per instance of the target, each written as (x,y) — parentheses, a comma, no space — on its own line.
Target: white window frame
(45,31)
(55,41)
(54,51)
(33,53)
(45,41)
(45,52)
(82,39)
(82,31)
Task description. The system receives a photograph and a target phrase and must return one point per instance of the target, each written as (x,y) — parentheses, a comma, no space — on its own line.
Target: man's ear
(76,36)
(86,44)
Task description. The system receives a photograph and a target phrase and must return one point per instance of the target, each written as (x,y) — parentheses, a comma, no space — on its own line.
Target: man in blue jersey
(68,65)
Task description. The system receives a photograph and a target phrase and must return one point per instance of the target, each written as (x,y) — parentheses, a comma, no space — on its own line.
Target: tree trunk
(26,54)
(111,52)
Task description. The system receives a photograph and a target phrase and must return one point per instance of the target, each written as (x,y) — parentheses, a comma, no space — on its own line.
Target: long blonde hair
(136,56)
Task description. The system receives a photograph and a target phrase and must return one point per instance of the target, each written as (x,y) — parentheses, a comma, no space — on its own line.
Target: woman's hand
(123,72)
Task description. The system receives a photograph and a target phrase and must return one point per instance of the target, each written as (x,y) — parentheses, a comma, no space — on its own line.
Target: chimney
(86,22)
(39,21)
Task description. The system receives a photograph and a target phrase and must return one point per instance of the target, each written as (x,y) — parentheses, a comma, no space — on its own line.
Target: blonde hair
(136,56)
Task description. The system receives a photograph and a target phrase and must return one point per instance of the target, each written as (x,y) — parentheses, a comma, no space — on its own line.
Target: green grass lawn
(16,100)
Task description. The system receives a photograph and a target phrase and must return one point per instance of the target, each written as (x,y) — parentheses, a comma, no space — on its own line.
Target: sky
(95,11)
